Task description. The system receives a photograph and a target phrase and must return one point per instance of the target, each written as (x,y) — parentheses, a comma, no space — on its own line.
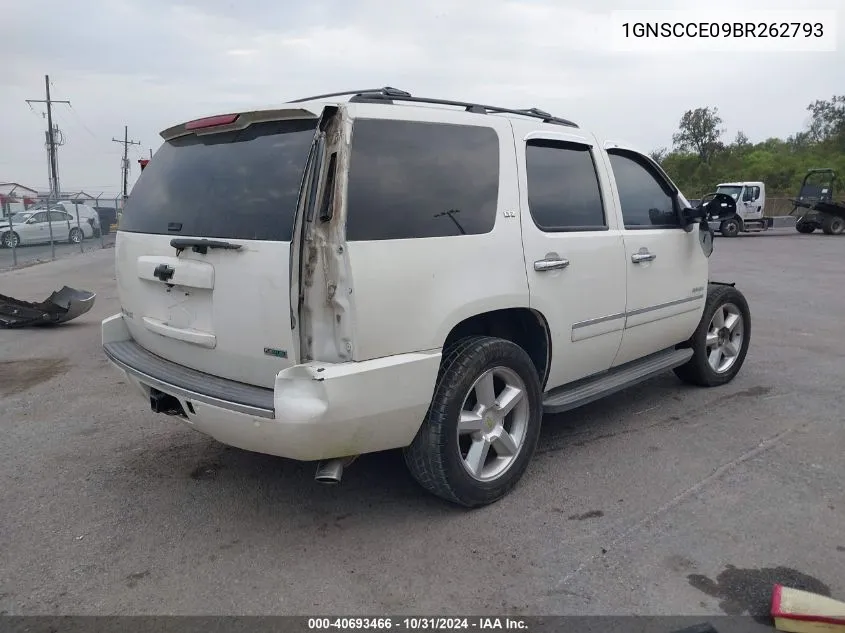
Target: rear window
(238,185)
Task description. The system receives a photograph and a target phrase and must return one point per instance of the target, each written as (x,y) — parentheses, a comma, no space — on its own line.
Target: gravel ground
(664,499)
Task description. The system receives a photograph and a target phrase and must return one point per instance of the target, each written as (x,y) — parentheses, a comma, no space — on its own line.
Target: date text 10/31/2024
(417,624)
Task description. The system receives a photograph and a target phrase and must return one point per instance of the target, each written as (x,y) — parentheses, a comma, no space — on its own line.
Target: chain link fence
(777,207)
(50,229)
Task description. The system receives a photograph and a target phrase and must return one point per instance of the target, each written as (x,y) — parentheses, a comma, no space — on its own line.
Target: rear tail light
(212,121)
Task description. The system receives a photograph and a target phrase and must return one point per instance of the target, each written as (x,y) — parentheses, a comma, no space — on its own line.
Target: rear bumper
(315,410)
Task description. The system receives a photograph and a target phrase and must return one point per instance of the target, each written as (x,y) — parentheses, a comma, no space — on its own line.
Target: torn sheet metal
(59,307)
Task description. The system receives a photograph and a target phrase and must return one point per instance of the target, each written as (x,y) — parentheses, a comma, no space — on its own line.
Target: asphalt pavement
(663,499)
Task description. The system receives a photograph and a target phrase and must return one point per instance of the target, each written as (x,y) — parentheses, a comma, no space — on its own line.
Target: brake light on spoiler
(212,121)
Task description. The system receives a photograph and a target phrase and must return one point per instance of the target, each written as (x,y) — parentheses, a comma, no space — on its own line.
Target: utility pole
(126,143)
(51,139)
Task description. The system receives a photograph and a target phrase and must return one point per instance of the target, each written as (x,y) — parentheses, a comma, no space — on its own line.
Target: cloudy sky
(151,63)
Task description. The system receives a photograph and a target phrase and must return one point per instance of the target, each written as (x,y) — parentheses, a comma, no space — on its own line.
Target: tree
(799,140)
(658,155)
(779,162)
(699,131)
(741,141)
(827,118)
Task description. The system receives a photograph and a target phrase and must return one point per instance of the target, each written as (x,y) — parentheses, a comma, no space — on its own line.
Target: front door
(666,265)
(750,207)
(574,254)
(36,229)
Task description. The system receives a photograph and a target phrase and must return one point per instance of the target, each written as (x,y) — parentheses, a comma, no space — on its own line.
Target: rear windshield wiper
(201,246)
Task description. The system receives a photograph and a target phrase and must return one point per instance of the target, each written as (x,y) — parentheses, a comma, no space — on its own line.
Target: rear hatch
(218,298)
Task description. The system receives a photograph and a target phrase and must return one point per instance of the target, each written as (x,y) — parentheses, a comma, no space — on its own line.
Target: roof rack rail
(387,92)
(389,95)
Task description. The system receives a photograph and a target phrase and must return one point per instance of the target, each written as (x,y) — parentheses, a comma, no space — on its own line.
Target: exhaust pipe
(331,471)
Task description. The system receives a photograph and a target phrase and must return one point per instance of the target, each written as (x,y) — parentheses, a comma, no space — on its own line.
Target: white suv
(366,271)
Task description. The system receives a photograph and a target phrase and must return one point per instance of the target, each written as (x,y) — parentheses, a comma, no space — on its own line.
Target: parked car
(86,213)
(335,277)
(34,225)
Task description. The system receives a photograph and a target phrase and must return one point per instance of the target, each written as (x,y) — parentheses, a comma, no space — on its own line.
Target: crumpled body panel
(61,306)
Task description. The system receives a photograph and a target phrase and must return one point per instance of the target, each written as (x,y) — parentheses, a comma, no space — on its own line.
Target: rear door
(223,308)
(574,255)
(62,224)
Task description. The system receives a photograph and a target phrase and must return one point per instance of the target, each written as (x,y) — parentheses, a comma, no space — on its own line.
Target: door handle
(550,264)
(643,256)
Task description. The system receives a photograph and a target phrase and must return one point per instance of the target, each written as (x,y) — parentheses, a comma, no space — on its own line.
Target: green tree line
(700,158)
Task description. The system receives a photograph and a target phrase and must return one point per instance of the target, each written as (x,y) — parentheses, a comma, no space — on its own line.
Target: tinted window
(645,202)
(58,216)
(411,180)
(242,184)
(41,216)
(563,187)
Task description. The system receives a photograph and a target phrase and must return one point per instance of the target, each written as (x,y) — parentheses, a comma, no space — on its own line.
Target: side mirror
(711,207)
(718,205)
(691,216)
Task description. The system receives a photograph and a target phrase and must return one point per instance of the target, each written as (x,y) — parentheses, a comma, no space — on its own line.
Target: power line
(79,118)
(126,143)
(82,123)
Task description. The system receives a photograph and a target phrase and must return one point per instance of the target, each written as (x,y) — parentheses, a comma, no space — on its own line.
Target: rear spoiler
(236,121)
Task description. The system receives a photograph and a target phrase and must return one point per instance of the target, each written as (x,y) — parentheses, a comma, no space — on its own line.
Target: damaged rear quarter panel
(327,295)
(410,293)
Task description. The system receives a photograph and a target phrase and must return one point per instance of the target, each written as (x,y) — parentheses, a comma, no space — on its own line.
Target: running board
(593,388)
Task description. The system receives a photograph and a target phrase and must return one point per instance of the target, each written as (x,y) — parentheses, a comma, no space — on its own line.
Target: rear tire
(833,225)
(487,401)
(720,342)
(75,236)
(729,227)
(804,227)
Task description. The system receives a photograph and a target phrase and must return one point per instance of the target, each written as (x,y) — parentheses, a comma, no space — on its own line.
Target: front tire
(720,342)
(11,240)
(482,426)
(729,228)
(804,227)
